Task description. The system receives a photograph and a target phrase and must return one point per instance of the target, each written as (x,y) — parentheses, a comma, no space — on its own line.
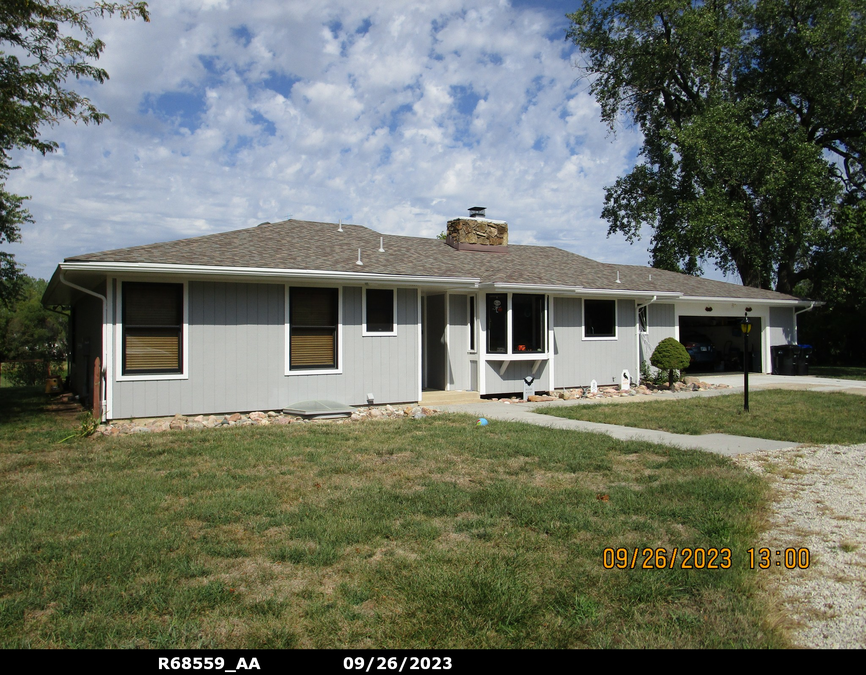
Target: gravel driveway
(820,504)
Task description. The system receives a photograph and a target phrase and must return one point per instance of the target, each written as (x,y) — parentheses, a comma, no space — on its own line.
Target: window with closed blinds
(313,323)
(152,328)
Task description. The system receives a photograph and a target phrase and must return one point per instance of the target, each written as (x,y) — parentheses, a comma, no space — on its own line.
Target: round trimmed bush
(670,355)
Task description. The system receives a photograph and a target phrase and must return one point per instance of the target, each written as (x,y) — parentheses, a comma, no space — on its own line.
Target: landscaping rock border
(274,417)
(612,391)
(256,418)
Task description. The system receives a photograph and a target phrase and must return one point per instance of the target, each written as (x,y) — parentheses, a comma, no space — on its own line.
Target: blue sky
(391,115)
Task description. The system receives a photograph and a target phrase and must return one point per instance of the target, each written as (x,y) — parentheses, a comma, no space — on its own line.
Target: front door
(434,342)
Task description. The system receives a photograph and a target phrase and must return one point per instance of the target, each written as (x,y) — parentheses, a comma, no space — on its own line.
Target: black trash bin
(784,359)
(805,357)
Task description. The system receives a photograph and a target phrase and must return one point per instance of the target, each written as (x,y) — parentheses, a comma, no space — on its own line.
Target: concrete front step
(434,398)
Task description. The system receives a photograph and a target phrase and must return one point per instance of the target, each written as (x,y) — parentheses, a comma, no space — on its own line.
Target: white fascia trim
(265,272)
(744,301)
(627,295)
(530,288)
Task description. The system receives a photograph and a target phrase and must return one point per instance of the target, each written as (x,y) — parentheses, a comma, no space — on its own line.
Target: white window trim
(608,338)
(511,355)
(119,376)
(288,333)
(364,331)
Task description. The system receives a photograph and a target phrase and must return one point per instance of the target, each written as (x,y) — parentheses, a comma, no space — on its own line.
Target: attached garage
(715,343)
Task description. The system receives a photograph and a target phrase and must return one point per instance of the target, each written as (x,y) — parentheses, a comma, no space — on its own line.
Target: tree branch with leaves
(43,45)
(754,127)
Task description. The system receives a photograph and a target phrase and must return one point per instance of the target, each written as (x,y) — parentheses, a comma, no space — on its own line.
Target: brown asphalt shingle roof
(305,245)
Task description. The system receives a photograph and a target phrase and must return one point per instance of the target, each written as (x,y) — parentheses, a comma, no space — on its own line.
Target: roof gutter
(763,301)
(577,290)
(653,295)
(808,309)
(266,273)
(102,397)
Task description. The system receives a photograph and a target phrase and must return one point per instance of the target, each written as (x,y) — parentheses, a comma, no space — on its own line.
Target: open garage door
(715,343)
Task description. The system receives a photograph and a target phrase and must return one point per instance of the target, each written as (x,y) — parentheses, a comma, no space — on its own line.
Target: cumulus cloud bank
(395,116)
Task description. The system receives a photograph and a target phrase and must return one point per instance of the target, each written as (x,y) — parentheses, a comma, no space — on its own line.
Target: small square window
(379,312)
(599,318)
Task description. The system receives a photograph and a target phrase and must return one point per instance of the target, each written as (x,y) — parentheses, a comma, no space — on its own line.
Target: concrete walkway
(723,444)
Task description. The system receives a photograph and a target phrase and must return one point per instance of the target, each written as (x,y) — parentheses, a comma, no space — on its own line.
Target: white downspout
(103,359)
(796,327)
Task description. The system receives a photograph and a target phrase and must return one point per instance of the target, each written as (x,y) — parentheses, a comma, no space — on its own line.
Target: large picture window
(528,323)
(599,318)
(313,328)
(152,328)
(379,312)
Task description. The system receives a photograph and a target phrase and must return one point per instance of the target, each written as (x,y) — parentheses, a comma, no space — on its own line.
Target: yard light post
(746,327)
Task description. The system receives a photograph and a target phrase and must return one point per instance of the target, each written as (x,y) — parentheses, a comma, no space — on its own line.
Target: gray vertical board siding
(458,344)
(512,380)
(782,326)
(662,323)
(580,361)
(237,344)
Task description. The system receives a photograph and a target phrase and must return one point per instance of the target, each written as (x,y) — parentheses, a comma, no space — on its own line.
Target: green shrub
(670,355)
(654,376)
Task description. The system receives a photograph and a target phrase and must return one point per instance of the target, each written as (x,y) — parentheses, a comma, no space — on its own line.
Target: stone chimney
(477,233)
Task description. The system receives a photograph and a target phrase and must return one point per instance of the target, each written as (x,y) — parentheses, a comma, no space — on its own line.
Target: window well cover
(319,408)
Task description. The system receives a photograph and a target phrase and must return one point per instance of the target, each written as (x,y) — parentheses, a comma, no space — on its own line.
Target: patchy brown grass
(415,533)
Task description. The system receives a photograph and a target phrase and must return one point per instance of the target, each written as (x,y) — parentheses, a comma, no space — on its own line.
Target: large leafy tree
(754,122)
(43,44)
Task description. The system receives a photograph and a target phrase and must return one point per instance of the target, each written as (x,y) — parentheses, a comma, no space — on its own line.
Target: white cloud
(225,114)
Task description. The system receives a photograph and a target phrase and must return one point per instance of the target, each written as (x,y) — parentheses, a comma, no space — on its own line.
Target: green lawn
(842,372)
(402,534)
(802,416)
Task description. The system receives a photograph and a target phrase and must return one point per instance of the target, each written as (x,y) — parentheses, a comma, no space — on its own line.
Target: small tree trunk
(671,378)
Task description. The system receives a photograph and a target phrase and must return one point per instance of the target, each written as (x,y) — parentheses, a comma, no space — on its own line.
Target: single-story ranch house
(265,317)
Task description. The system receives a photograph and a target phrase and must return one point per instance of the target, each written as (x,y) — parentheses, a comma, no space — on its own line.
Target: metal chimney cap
(477,211)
